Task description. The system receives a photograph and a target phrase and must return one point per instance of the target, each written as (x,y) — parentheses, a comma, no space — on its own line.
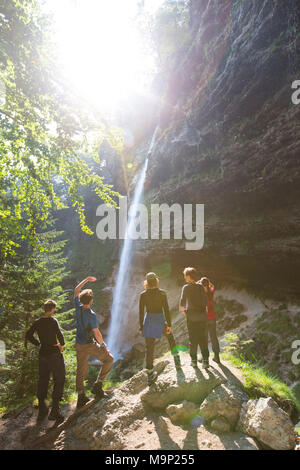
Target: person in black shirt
(156,322)
(51,361)
(193,303)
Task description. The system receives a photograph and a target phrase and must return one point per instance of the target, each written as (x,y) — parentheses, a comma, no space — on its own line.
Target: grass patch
(258,382)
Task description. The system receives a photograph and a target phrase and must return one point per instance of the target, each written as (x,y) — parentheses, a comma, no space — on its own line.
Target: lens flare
(178,348)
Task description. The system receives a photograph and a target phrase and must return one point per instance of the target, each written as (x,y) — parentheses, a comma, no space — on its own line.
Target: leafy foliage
(44,130)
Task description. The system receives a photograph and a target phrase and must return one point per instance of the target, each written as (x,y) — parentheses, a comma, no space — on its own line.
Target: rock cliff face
(230,139)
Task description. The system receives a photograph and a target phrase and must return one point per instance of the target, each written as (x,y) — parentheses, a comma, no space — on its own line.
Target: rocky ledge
(190,408)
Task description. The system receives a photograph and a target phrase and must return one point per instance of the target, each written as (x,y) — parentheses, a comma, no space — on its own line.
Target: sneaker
(55,415)
(43,412)
(82,400)
(97,390)
(217,359)
(205,363)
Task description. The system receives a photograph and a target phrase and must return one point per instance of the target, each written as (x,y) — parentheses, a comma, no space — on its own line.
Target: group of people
(196,303)
(89,342)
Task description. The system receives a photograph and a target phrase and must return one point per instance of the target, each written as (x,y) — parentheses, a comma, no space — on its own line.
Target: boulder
(182,412)
(267,422)
(224,401)
(174,386)
(220,424)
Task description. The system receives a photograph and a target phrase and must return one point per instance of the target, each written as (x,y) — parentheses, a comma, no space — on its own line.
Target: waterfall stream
(119,311)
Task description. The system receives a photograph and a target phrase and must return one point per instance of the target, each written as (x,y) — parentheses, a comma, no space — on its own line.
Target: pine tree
(28,279)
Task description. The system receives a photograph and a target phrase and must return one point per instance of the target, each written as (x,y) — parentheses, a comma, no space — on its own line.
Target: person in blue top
(89,342)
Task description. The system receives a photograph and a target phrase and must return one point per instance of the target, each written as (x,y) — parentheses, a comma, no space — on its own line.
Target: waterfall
(119,311)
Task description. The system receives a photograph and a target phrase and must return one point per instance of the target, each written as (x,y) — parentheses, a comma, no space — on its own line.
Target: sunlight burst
(102,52)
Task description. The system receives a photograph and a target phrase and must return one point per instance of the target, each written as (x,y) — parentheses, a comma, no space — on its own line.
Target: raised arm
(82,284)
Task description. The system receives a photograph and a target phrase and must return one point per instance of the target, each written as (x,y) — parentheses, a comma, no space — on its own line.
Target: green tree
(27,280)
(44,130)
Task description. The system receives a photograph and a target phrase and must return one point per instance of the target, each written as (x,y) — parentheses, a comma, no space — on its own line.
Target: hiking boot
(55,415)
(152,376)
(177,361)
(217,359)
(82,400)
(43,411)
(205,363)
(97,390)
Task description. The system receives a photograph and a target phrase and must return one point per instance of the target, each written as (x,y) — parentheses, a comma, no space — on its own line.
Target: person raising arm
(96,332)
(89,342)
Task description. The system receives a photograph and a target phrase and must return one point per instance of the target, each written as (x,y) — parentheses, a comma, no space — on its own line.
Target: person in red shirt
(211,317)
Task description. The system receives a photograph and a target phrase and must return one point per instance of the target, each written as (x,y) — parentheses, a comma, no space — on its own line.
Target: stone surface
(163,424)
(106,424)
(175,386)
(267,422)
(124,421)
(220,424)
(225,401)
(182,412)
(235,141)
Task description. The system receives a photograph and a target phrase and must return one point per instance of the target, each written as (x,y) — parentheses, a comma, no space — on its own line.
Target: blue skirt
(153,325)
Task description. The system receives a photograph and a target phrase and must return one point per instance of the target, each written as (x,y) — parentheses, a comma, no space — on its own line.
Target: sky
(100,48)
